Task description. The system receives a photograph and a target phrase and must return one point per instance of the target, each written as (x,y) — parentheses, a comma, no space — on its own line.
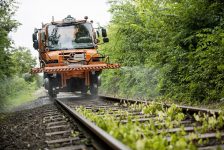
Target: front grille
(74,56)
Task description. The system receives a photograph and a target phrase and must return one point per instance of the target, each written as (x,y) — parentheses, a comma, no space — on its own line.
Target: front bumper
(61,69)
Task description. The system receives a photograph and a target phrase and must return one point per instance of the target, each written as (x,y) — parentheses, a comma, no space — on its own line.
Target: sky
(31,14)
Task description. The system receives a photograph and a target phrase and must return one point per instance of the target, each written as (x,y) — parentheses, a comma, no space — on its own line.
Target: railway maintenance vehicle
(69,57)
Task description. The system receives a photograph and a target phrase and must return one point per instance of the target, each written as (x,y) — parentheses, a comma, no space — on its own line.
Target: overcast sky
(31,13)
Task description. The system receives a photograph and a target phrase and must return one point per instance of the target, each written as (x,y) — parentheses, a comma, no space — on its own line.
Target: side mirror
(105,39)
(104,32)
(34,37)
(35,44)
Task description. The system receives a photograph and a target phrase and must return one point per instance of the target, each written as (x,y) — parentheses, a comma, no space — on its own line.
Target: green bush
(139,82)
(183,40)
(13,87)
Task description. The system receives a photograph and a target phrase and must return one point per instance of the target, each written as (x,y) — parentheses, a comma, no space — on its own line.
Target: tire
(51,92)
(94,84)
(94,89)
(84,90)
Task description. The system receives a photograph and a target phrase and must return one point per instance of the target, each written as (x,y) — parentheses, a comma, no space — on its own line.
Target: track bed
(139,124)
(75,122)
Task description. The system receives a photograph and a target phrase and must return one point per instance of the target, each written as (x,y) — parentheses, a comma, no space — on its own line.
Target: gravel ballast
(23,127)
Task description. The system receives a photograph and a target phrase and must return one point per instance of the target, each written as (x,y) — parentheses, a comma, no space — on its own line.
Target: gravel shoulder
(22,127)
(41,99)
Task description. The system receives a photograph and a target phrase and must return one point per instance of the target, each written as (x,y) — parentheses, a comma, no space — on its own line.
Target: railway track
(65,129)
(136,124)
(61,132)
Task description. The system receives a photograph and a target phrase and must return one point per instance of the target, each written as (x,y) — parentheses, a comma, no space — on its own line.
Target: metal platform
(75,68)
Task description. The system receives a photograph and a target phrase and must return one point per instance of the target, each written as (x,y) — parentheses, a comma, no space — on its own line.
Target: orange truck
(68,56)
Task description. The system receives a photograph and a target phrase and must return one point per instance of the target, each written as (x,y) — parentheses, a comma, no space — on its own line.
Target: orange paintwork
(54,55)
(54,60)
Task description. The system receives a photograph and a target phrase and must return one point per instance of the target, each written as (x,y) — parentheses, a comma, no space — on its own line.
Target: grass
(152,134)
(21,96)
(144,84)
(219,105)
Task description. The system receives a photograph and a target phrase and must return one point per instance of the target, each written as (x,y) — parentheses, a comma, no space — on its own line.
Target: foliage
(15,62)
(7,24)
(138,82)
(183,40)
(14,91)
(156,133)
(22,60)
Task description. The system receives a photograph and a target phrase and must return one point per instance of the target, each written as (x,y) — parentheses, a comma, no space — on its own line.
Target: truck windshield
(70,37)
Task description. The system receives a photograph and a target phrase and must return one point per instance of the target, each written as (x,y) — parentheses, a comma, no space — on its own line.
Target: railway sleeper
(63,122)
(211,147)
(54,120)
(62,142)
(209,137)
(74,147)
(65,132)
(54,116)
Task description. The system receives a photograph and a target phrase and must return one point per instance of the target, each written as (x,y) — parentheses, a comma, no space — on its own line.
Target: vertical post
(87,80)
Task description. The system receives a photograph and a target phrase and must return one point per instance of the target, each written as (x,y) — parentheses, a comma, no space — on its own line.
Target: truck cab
(68,56)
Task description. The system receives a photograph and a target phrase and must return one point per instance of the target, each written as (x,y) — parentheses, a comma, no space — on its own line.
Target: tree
(22,60)
(7,24)
(183,40)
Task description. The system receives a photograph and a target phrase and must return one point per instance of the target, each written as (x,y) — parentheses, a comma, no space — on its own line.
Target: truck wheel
(84,90)
(94,84)
(94,89)
(51,92)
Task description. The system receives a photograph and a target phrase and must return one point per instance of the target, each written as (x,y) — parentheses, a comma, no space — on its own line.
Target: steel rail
(184,108)
(208,135)
(111,142)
